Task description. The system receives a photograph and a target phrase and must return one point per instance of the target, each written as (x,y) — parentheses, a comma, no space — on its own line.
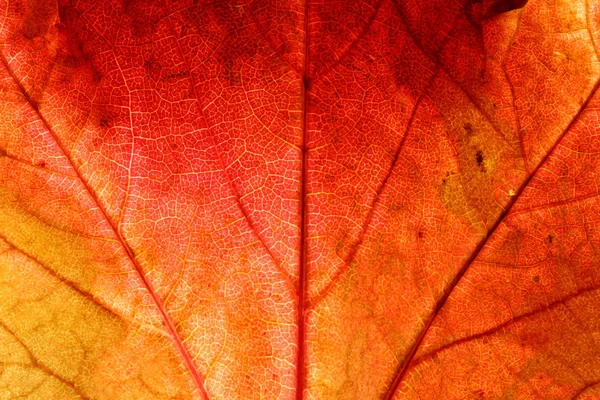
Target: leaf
(381,199)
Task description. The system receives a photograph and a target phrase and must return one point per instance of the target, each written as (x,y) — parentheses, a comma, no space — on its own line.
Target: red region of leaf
(277,199)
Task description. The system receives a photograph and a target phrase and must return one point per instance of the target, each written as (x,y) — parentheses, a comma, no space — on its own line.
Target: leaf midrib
(302,265)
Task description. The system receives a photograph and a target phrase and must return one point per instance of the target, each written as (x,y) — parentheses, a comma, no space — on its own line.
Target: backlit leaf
(277,199)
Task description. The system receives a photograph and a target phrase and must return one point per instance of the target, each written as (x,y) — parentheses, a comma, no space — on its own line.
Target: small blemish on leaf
(523,132)
(174,76)
(2,152)
(550,238)
(152,67)
(536,279)
(479,158)
(96,75)
(479,393)
(421,235)
(42,164)
(396,207)
(468,129)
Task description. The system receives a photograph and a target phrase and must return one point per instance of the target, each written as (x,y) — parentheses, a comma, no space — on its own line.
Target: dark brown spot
(174,76)
(479,394)
(96,75)
(536,279)
(523,133)
(152,67)
(550,238)
(479,158)
(468,129)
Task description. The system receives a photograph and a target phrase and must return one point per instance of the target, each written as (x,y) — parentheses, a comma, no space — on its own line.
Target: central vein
(302,275)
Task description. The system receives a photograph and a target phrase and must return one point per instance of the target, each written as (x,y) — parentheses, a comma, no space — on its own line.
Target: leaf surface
(380,199)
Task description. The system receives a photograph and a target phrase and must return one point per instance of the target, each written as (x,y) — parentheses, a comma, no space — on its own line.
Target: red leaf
(382,199)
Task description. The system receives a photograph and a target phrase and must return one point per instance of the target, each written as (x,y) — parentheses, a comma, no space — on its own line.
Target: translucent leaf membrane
(380,199)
